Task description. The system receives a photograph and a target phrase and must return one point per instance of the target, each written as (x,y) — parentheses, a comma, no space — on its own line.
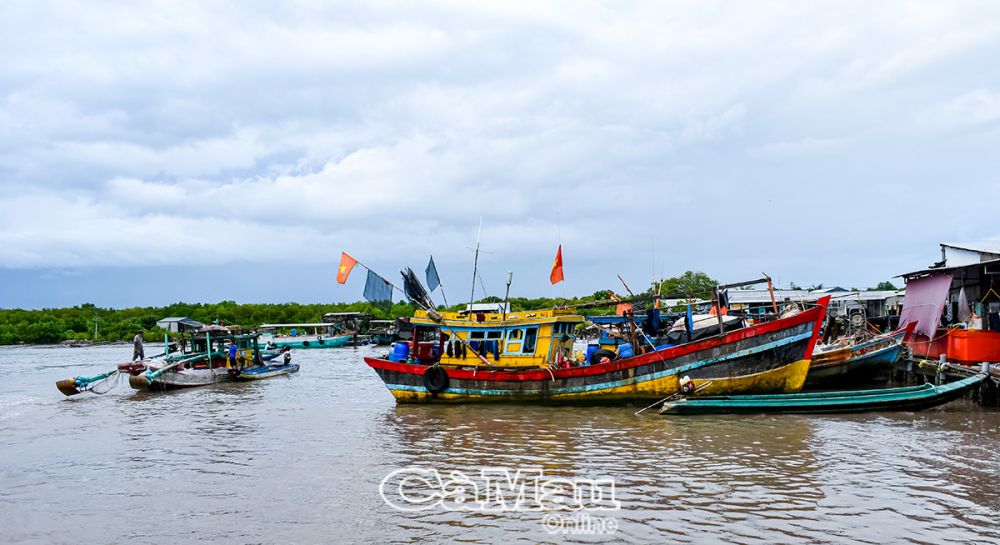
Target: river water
(300,459)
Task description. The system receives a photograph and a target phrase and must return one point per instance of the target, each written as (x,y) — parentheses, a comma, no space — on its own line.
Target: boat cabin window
(530,336)
(560,328)
(514,335)
(477,335)
(494,334)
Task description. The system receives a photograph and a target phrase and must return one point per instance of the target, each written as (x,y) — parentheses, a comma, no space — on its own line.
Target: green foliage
(78,323)
(89,322)
(884,286)
(689,284)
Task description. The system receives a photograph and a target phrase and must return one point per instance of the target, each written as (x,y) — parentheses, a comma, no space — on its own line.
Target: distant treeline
(88,322)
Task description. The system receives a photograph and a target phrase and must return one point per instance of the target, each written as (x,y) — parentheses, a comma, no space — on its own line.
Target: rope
(93,387)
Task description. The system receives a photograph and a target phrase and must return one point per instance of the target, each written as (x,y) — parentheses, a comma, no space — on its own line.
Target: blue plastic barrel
(591,348)
(400,351)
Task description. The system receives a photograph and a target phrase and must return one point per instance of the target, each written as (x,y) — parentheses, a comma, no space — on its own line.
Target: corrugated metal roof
(745,297)
(946,269)
(987,247)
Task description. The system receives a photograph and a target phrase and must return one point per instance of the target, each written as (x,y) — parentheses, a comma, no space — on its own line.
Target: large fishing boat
(861,359)
(527,357)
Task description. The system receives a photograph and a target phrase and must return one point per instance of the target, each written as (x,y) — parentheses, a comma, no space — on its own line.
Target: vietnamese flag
(556,276)
(347,264)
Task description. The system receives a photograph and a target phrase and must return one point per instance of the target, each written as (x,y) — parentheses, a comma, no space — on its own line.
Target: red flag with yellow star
(556,276)
(347,264)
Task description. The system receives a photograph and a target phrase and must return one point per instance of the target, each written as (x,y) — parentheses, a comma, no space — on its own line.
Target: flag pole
(443,296)
(559,241)
(439,319)
(440,284)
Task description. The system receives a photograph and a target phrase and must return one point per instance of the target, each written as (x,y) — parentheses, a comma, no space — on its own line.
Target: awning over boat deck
(178,324)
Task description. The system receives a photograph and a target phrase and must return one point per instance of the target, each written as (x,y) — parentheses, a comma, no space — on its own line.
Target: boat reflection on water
(670,476)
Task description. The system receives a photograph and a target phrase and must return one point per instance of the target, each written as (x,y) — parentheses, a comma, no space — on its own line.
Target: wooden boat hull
(770,357)
(912,398)
(184,378)
(862,361)
(267,371)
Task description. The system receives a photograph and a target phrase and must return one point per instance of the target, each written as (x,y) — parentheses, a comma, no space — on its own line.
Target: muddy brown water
(301,459)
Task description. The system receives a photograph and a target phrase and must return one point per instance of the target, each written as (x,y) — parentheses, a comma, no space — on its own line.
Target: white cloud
(393,128)
(977,107)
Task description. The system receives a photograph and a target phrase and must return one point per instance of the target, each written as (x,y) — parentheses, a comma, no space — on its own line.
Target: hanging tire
(321,341)
(600,354)
(305,343)
(435,379)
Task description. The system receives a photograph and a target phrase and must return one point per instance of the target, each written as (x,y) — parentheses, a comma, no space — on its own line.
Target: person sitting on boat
(137,353)
(233,350)
(564,352)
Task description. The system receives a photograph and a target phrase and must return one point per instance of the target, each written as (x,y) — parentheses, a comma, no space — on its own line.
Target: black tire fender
(436,379)
(600,354)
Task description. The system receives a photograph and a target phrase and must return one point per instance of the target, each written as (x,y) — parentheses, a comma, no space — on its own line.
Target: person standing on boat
(137,353)
(233,349)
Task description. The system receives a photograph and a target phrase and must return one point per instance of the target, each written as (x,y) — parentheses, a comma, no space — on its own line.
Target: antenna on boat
(475,265)
(506,295)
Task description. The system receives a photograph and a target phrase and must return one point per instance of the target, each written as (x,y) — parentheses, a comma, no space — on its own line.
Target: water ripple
(299,460)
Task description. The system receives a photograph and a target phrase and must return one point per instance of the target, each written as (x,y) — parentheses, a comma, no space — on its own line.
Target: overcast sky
(162,151)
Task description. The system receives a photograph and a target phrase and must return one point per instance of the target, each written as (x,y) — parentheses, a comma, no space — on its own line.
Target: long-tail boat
(911,398)
(857,360)
(206,362)
(527,357)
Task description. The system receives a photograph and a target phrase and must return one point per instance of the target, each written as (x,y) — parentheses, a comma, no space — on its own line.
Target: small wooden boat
(912,398)
(266,371)
(858,360)
(526,357)
(382,332)
(205,363)
(322,335)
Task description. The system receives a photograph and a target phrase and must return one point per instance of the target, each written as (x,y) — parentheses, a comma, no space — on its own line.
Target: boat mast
(475,266)
(506,295)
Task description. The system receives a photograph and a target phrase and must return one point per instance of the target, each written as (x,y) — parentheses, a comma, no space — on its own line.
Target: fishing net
(104,385)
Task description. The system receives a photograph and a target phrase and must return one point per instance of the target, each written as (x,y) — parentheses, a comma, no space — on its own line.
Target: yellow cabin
(535,338)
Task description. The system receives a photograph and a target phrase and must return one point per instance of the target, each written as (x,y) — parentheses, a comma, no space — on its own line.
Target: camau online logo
(498,489)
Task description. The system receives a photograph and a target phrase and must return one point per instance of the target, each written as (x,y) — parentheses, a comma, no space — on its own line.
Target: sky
(171,151)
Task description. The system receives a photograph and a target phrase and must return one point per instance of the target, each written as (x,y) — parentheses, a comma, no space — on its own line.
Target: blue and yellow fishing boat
(528,357)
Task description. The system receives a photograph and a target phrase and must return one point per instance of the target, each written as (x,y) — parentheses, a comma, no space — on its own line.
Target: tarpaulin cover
(925,299)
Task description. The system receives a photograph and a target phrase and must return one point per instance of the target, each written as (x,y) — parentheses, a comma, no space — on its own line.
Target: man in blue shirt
(233,350)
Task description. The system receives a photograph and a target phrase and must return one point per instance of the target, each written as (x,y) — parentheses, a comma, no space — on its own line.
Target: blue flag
(432,276)
(690,318)
(378,289)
